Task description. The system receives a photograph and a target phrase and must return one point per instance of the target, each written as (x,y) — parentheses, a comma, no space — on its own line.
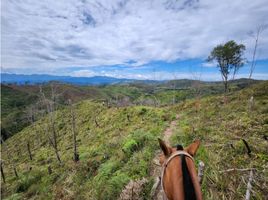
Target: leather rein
(164,166)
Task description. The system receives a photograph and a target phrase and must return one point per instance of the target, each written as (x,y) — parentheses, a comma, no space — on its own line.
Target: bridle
(164,166)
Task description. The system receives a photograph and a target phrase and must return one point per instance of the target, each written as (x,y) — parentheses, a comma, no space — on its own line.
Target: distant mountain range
(43,78)
(22,79)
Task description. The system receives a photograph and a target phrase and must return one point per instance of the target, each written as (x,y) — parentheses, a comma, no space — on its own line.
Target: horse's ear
(192,148)
(166,149)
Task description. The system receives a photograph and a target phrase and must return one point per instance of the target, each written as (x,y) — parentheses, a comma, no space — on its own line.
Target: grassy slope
(221,127)
(13,103)
(110,155)
(121,150)
(15,98)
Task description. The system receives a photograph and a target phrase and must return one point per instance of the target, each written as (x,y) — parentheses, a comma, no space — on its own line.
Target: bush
(15,196)
(27,180)
(114,186)
(142,111)
(130,146)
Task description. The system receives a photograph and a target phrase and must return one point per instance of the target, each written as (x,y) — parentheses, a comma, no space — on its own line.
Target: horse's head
(179,178)
(167,150)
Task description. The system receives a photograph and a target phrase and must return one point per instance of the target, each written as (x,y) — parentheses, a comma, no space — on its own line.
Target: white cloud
(209,64)
(163,75)
(53,34)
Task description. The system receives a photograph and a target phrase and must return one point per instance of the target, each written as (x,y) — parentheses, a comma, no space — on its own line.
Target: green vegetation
(121,147)
(221,124)
(17,101)
(110,155)
(13,106)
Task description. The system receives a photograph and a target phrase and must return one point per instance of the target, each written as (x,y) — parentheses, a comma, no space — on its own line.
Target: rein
(177,153)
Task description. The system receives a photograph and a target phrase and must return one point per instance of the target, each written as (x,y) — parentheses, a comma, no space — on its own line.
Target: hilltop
(121,145)
(19,101)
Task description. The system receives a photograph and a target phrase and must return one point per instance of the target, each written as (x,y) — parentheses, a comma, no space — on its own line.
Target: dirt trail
(156,171)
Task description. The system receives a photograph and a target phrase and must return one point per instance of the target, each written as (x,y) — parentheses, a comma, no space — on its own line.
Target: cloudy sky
(144,39)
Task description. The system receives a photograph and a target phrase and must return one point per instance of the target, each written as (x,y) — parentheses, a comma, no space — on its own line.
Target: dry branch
(247,146)
(249,186)
(155,186)
(201,167)
(236,169)
(156,162)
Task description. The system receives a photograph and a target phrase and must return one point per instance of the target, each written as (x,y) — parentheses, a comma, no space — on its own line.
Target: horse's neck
(194,178)
(173,180)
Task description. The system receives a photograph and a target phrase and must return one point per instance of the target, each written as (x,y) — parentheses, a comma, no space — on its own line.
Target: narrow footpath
(156,171)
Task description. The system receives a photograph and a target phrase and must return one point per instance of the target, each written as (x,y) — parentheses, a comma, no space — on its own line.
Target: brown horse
(179,178)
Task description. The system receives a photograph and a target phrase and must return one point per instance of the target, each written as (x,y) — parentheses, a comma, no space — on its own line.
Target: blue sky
(142,39)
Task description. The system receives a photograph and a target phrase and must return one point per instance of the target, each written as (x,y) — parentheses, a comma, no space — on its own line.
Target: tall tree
(229,59)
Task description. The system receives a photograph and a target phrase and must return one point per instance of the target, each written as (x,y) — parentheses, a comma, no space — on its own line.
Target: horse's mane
(189,192)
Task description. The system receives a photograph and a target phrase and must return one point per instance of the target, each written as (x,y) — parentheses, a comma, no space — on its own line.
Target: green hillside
(110,155)
(221,124)
(16,100)
(13,106)
(121,145)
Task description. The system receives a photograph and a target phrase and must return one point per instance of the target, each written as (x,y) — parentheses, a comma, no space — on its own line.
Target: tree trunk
(49,170)
(76,155)
(58,156)
(12,162)
(15,171)
(55,142)
(18,151)
(253,63)
(2,173)
(29,151)
(225,86)
(97,124)
(128,118)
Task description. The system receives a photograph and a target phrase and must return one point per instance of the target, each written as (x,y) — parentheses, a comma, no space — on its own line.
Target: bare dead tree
(74,131)
(2,171)
(15,170)
(18,151)
(49,169)
(256,36)
(29,150)
(12,163)
(50,105)
(197,88)
(174,87)
(96,122)
(251,104)
(128,118)
(30,114)
(53,141)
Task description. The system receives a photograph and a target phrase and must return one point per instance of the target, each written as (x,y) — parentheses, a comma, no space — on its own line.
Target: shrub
(130,146)
(27,180)
(142,111)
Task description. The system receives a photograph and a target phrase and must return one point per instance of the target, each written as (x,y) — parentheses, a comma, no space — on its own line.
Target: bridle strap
(164,166)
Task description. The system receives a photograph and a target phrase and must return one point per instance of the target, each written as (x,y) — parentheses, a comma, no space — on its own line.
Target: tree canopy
(229,58)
